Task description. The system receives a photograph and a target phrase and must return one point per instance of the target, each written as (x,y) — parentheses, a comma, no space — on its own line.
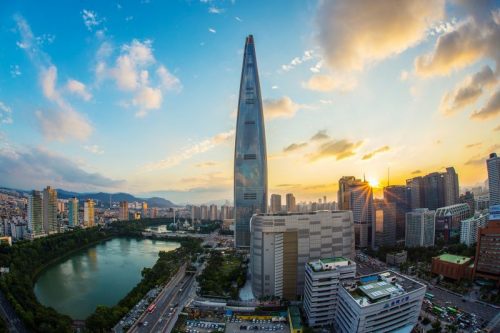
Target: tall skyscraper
(73,212)
(357,195)
(433,191)
(88,213)
(291,206)
(250,158)
(123,216)
(451,188)
(35,213)
(419,228)
(398,195)
(213,212)
(50,224)
(416,188)
(275,203)
(204,212)
(493,164)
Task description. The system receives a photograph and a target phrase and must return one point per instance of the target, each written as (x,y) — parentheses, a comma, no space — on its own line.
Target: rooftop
(326,264)
(374,288)
(454,259)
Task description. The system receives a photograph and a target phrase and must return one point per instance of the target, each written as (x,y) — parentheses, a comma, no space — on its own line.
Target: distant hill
(104,197)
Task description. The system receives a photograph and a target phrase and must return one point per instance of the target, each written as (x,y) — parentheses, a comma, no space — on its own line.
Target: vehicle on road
(152,307)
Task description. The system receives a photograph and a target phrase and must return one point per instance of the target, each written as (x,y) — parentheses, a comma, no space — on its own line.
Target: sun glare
(373,182)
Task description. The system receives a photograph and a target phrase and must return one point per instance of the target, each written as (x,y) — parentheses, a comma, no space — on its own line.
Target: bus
(437,310)
(451,310)
(152,307)
(429,296)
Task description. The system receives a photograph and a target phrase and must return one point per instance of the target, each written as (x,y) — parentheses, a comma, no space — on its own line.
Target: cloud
(91,19)
(320,135)
(356,32)
(212,30)
(280,108)
(308,55)
(472,145)
(15,71)
(491,109)
(325,83)
(36,167)
(416,172)
(78,88)
(340,149)
(190,151)
(375,152)
(94,149)
(237,18)
(215,10)
(476,161)
(128,69)
(208,164)
(468,43)
(497,129)
(468,91)
(5,114)
(404,75)
(168,80)
(61,123)
(147,99)
(294,146)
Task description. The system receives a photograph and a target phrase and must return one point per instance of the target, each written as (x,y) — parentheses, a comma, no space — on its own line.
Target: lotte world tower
(250,159)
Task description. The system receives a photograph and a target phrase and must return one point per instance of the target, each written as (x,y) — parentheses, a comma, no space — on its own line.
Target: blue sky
(140,96)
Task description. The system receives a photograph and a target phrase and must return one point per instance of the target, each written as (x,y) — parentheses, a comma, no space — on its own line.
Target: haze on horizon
(141,96)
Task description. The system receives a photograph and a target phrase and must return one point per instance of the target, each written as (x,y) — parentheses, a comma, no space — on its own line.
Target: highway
(164,302)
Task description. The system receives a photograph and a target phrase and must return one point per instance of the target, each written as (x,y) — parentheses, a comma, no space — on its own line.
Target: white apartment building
(470,226)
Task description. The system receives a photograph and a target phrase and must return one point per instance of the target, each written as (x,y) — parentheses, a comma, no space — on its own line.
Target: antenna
(388,169)
(364,178)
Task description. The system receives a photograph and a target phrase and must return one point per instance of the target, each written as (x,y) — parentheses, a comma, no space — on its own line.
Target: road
(10,317)
(163,302)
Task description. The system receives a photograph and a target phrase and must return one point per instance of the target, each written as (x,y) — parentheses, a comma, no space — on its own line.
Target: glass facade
(250,159)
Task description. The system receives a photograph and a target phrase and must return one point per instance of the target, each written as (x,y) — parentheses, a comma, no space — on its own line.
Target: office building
(482,202)
(88,213)
(452,266)
(416,188)
(50,223)
(204,212)
(487,260)
(322,281)
(250,157)
(396,258)
(385,224)
(448,219)
(275,203)
(433,191)
(195,213)
(450,187)
(281,244)
(123,214)
(213,212)
(493,165)
(73,212)
(291,206)
(398,195)
(383,302)
(468,198)
(469,228)
(35,213)
(420,228)
(357,196)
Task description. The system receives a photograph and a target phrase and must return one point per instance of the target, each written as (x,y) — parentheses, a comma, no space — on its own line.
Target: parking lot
(238,325)
(202,326)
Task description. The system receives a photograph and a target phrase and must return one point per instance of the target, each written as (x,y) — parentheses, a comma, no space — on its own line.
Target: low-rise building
(396,258)
(383,302)
(452,266)
(323,278)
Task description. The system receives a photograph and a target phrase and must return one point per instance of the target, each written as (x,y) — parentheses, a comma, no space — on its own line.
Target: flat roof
(333,259)
(378,289)
(454,259)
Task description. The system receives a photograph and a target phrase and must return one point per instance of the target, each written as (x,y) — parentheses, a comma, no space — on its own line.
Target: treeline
(104,318)
(26,259)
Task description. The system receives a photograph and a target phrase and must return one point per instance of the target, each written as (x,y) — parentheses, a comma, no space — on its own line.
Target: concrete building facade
(419,228)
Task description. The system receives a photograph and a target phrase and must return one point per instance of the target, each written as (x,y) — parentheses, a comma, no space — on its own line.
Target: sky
(141,96)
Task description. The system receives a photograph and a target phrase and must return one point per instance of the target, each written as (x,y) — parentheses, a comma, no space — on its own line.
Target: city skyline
(101,98)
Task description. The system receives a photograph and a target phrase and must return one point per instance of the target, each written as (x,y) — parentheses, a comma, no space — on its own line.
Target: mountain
(105,197)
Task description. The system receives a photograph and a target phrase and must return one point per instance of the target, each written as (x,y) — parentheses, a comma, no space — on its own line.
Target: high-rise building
(398,195)
(323,279)
(493,164)
(35,213)
(88,213)
(487,259)
(145,209)
(204,212)
(468,198)
(420,228)
(50,223)
(213,212)
(416,188)
(250,157)
(469,228)
(291,206)
(357,196)
(433,190)
(450,187)
(448,219)
(123,215)
(73,212)
(275,203)
(383,302)
(281,244)
(385,224)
